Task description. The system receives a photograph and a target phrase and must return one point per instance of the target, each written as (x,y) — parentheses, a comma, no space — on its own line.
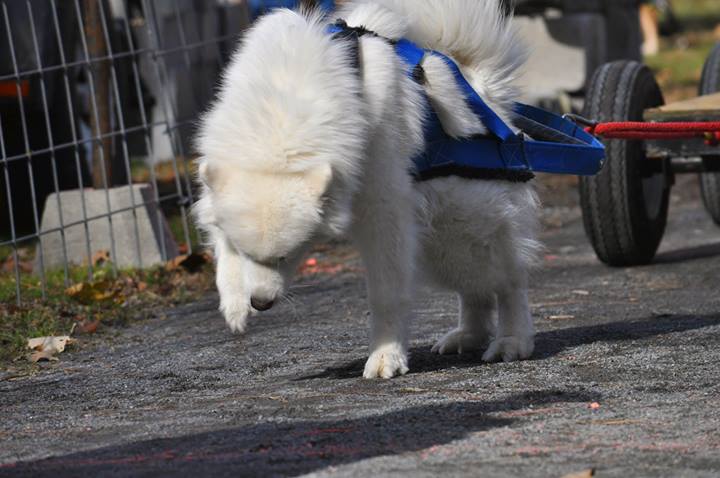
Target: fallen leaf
(87,326)
(560,317)
(190,262)
(90,292)
(43,355)
(412,390)
(100,257)
(8,265)
(589,473)
(45,348)
(312,266)
(142,286)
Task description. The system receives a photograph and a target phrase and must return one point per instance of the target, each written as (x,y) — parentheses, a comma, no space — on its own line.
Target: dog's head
(281,150)
(270,221)
(268,216)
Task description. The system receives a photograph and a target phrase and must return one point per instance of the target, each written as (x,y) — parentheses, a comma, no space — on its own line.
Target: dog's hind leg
(475,325)
(515,333)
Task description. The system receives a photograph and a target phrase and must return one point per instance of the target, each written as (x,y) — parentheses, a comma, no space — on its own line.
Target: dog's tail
(478,34)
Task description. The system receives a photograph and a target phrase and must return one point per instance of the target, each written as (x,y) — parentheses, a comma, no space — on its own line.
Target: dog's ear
(318,179)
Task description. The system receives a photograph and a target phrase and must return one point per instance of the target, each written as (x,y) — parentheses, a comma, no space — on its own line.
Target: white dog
(302,144)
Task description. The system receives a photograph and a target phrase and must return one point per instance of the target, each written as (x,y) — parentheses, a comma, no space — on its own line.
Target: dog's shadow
(297,447)
(548,344)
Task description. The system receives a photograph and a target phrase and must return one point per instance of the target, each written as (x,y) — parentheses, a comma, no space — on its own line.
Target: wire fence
(98,100)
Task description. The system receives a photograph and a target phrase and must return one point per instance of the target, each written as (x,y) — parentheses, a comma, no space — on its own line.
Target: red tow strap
(710,130)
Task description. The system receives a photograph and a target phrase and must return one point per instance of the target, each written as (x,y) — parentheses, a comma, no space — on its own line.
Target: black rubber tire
(710,182)
(624,212)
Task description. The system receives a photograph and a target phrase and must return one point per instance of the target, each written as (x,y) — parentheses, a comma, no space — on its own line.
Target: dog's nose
(261,305)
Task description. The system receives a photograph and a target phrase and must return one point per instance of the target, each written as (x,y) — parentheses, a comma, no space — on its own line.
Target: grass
(697,14)
(110,300)
(679,63)
(678,69)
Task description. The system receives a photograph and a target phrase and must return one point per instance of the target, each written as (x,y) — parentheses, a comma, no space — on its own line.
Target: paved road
(181,395)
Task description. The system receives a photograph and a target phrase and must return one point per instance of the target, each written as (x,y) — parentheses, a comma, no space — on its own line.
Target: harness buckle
(581,120)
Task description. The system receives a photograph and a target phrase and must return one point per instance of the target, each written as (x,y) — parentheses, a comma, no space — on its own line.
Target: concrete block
(134,247)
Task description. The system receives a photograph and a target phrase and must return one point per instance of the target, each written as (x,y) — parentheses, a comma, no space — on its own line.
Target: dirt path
(183,396)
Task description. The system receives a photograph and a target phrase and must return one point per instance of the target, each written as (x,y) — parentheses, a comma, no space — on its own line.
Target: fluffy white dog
(302,144)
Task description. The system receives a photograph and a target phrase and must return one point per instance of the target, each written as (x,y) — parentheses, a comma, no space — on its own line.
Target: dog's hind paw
(458,341)
(386,361)
(509,349)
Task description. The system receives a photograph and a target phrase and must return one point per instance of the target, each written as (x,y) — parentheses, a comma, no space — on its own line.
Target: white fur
(299,146)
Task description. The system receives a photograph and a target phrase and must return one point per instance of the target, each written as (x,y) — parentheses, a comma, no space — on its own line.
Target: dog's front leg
(230,279)
(386,239)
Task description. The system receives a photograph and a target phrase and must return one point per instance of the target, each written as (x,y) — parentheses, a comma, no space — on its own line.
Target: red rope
(710,130)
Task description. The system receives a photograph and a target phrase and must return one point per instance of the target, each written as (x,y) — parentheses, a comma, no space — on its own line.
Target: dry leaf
(560,317)
(190,262)
(100,257)
(46,347)
(589,473)
(23,266)
(90,292)
(86,326)
(312,266)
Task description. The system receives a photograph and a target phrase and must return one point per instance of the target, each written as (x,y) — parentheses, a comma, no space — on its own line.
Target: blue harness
(560,146)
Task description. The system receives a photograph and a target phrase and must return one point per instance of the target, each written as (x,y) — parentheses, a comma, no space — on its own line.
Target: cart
(625,206)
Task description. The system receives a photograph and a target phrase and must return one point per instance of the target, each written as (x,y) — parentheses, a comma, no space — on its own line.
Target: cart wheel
(624,206)
(710,182)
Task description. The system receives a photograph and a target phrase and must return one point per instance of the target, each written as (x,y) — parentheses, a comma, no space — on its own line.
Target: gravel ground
(624,379)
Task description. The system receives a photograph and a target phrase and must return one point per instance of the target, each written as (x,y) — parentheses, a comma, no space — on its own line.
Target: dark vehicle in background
(39,114)
(154,88)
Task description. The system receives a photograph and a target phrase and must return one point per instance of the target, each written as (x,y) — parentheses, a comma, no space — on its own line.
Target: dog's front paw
(458,341)
(235,316)
(386,361)
(509,349)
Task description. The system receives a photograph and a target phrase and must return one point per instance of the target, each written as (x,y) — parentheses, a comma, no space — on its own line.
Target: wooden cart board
(701,108)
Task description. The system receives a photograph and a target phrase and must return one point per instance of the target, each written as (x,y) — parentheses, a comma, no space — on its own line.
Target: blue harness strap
(502,154)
